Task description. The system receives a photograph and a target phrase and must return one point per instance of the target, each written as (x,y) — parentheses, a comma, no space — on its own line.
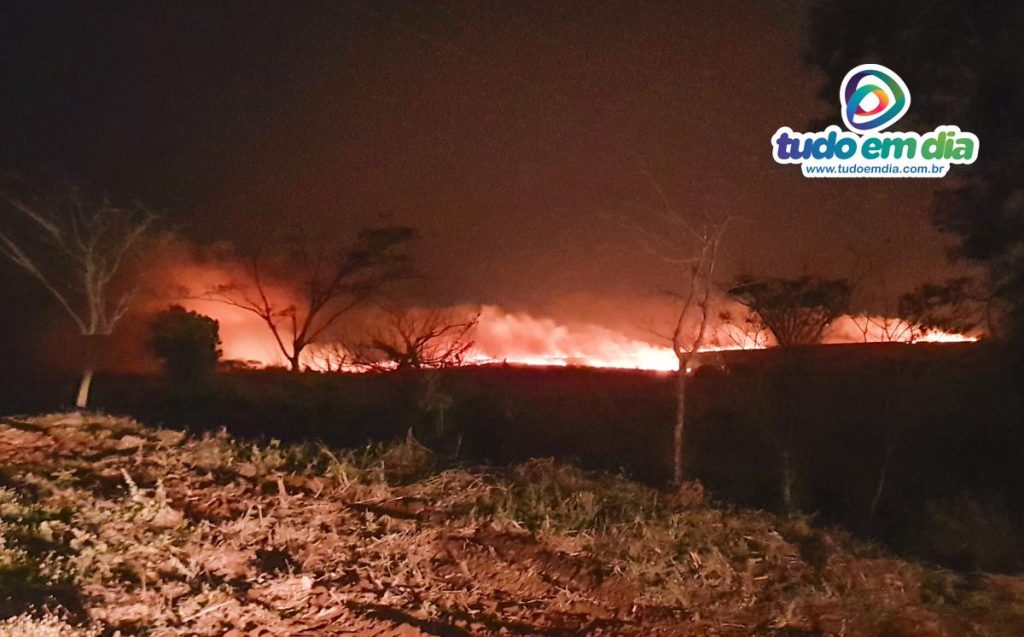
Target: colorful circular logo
(872,97)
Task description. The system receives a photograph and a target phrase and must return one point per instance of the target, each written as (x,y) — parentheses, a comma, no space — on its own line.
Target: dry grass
(111,526)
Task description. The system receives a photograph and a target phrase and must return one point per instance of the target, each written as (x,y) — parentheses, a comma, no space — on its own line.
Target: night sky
(511,134)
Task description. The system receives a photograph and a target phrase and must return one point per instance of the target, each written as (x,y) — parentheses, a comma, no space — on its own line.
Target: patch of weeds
(266,459)
(34,529)
(44,625)
(303,457)
(212,453)
(26,583)
(406,462)
(939,587)
(547,495)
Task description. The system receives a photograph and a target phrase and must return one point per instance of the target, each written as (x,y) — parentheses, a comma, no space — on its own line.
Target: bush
(187,343)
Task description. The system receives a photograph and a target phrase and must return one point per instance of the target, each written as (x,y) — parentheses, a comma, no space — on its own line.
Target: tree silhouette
(187,343)
(74,245)
(322,285)
(796,311)
(409,339)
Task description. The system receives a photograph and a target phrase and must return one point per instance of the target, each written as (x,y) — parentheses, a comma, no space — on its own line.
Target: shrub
(187,343)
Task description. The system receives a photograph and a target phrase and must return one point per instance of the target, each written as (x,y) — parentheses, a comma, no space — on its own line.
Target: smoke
(619,330)
(519,337)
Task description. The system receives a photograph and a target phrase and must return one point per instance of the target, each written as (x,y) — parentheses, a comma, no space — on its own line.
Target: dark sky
(511,133)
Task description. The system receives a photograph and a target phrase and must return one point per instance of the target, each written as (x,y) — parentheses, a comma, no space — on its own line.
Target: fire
(244,336)
(881,329)
(938,336)
(520,338)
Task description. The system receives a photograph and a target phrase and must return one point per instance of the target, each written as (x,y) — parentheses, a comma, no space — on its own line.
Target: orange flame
(523,339)
(510,337)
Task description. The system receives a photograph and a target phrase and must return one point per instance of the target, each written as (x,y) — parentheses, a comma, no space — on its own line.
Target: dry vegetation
(109,526)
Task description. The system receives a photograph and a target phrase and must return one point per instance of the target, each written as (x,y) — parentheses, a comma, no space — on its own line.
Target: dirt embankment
(111,526)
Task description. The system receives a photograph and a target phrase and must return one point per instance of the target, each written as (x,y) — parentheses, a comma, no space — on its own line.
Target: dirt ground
(110,527)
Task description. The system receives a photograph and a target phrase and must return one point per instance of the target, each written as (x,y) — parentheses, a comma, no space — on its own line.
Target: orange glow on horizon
(519,338)
(504,337)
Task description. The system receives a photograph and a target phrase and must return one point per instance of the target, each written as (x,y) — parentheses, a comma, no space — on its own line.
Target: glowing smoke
(514,337)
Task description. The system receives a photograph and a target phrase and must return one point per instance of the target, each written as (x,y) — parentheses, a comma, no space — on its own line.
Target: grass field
(108,525)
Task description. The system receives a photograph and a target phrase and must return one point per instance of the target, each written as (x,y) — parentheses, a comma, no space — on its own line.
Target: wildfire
(522,339)
(882,329)
(519,338)
(938,336)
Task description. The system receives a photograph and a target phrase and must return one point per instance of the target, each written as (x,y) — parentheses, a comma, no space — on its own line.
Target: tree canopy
(796,311)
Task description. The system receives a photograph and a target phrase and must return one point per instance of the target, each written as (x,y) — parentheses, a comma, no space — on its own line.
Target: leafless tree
(75,246)
(863,324)
(694,310)
(877,316)
(426,342)
(409,339)
(321,286)
(893,329)
(747,332)
(885,328)
(688,243)
(331,357)
(956,305)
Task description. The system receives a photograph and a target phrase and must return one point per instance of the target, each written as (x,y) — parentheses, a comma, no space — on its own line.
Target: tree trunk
(293,363)
(677,434)
(82,400)
(787,484)
(91,347)
(880,482)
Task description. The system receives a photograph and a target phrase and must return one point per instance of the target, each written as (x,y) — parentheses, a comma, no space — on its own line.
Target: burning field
(522,338)
(110,527)
(619,332)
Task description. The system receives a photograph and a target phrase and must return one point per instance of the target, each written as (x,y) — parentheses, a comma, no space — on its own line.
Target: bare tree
(695,309)
(747,332)
(862,321)
(956,305)
(797,311)
(331,357)
(328,285)
(891,329)
(426,342)
(75,246)
(878,317)
(885,328)
(688,243)
(407,339)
